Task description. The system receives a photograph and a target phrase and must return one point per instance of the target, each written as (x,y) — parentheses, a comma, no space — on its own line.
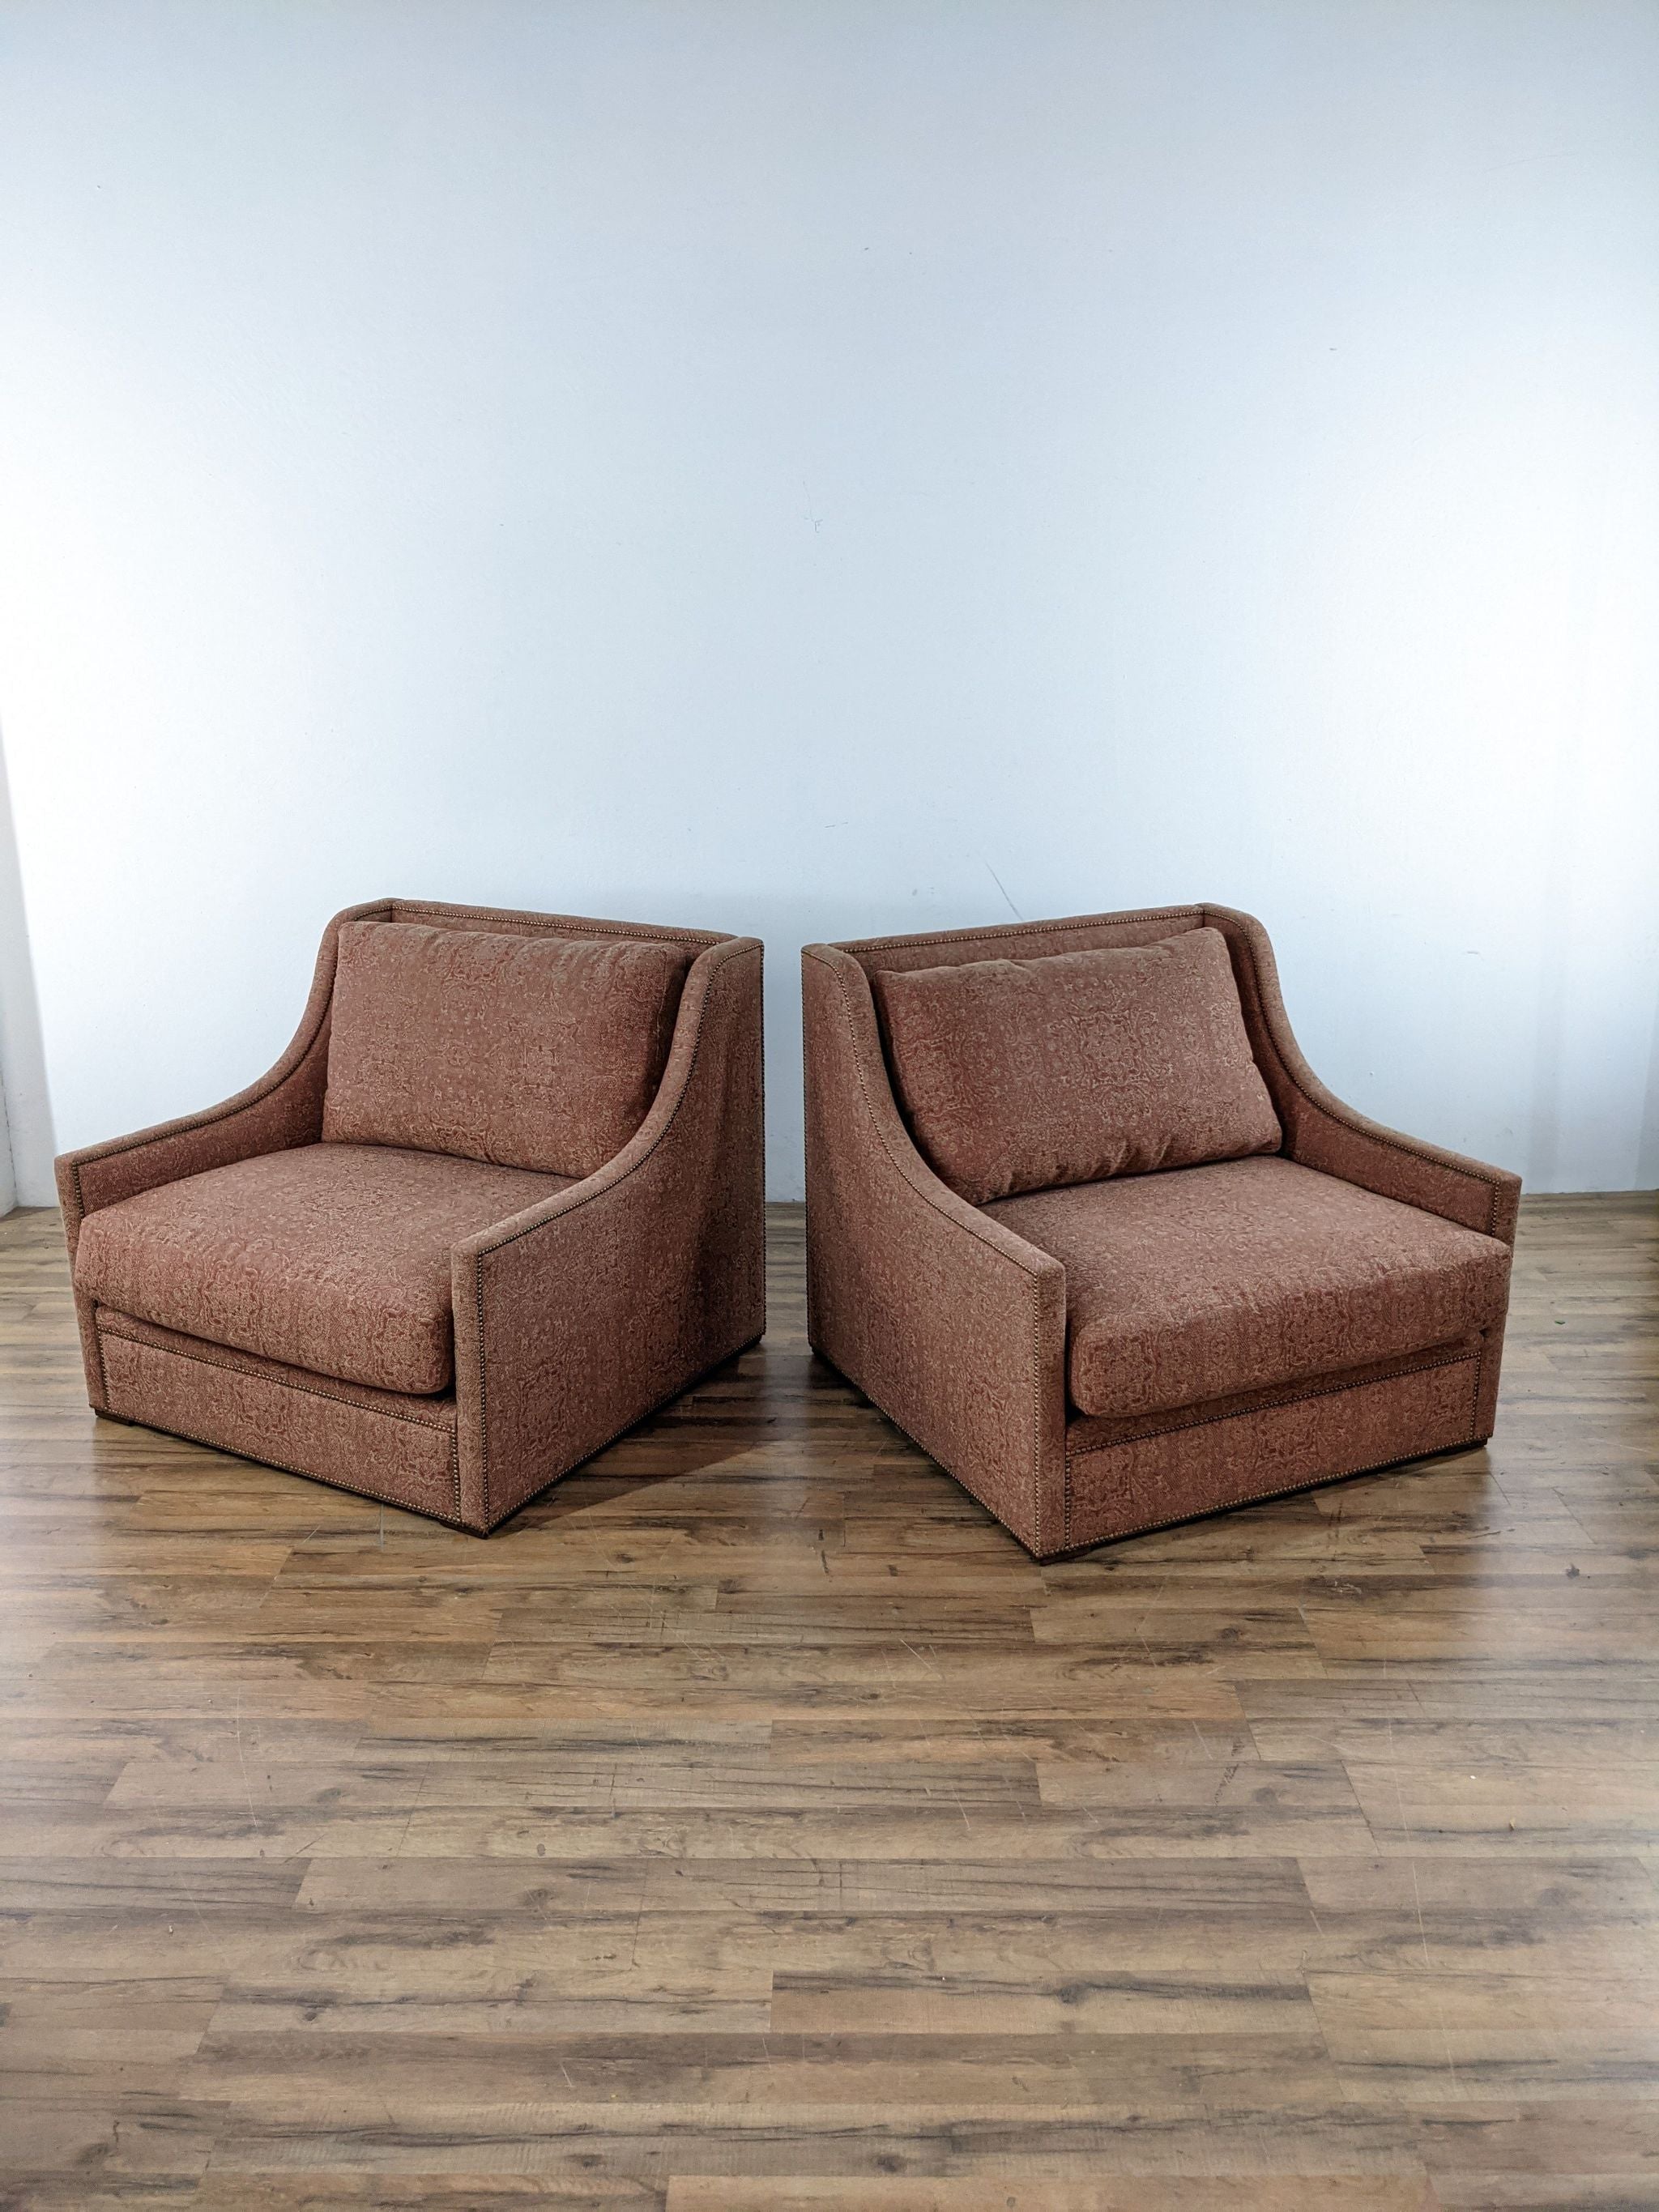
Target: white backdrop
(833,467)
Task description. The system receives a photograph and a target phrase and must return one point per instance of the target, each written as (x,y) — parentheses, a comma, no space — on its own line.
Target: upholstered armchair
(501,1197)
(1084,1223)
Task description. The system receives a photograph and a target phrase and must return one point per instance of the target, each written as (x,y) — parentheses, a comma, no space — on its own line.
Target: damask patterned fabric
(1195,1285)
(335,1258)
(444,1331)
(1021,1074)
(540,1053)
(1370,1268)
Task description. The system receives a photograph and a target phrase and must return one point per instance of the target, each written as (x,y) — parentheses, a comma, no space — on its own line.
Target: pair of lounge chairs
(1080,1219)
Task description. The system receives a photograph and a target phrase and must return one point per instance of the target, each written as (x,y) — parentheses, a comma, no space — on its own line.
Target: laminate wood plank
(751,1824)
(1241,1889)
(1278,2192)
(1597,1697)
(1006,2076)
(1558,2193)
(808,1739)
(599,2142)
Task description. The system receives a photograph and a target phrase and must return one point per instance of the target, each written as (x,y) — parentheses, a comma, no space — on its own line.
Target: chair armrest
(284,1108)
(576,1317)
(1321,1131)
(955,1326)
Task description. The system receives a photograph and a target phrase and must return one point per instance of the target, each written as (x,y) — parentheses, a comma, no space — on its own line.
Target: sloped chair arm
(284,1108)
(577,1317)
(952,1324)
(1322,1132)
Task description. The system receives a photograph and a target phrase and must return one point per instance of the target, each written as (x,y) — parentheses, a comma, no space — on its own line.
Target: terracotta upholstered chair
(1091,1347)
(500,1198)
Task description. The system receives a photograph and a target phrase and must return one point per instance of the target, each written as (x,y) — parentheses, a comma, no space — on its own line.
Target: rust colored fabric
(1087,1432)
(953,1326)
(577,1317)
(586,1303)
(1178,1472)
(543,1054)
(1237,1276)
(1022,1075)
(956,1323)
(1320,1130)
(334,1258)
(379,1444)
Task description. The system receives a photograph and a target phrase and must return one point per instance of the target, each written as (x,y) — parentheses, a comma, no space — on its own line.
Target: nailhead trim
(999,930)
(305,1390)
(285,1466)
(98,1340)
(928,1198)
(530,1228)
(1313,1482)
(1277,1405)
(280,1382)
(961,1480)
(1261,1497)
(702,937)
(656,1405)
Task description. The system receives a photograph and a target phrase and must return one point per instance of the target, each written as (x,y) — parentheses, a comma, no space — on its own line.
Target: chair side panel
(576,1324)
(922,1309)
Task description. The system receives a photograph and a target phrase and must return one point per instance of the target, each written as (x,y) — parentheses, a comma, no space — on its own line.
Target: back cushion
(1022,1075)
(531,1052)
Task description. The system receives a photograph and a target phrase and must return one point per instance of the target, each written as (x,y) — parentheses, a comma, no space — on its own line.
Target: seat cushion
(1021,1074)
(1206,1281)
(532,1052)
(330,1257)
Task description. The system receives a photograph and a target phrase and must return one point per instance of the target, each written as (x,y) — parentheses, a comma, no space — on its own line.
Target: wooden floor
(751,1826)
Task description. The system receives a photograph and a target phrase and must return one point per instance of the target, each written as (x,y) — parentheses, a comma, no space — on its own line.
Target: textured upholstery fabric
(1019,1074)
(531,1053)
(955,1325)
(1089,1433)
(581,1311)
(379,1442)
(575,1319)
(1320,1130)
(1206,1281)
(1177,1471)
(335,1258)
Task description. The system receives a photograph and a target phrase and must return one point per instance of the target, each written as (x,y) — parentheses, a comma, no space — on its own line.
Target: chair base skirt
(1126,1478)
(1204,1463)
(401,1450)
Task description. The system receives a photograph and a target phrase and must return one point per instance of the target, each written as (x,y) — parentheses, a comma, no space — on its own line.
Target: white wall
(829,467)
(26,1136)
